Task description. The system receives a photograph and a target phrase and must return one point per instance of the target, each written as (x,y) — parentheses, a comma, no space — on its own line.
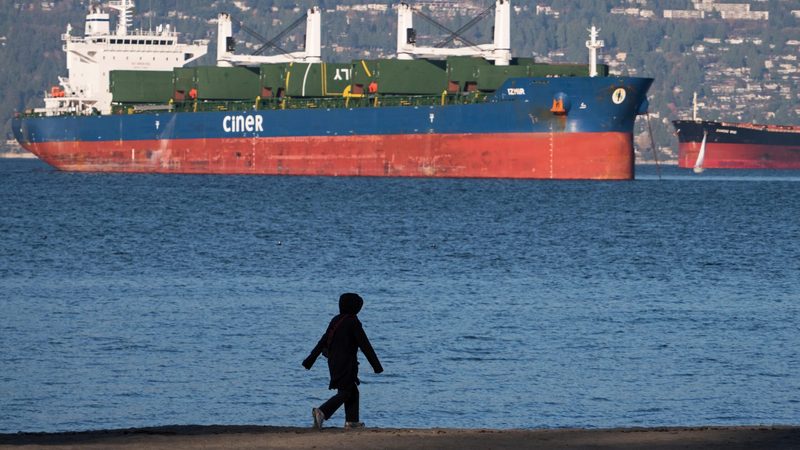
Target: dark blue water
(141,300)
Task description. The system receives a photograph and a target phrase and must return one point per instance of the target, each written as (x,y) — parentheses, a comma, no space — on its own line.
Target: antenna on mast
(125,8)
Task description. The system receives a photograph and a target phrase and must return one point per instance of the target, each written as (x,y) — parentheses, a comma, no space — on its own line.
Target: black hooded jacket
(341,341)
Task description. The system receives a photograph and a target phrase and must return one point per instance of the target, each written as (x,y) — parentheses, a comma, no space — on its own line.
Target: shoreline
(182,437)
(14,155)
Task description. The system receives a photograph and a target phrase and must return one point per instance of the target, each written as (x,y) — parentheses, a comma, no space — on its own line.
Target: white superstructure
(92,57)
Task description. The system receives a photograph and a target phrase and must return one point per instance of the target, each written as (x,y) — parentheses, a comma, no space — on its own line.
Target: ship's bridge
(92,57)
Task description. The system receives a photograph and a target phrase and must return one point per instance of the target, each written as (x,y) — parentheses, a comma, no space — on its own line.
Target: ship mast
(125,8)
(593,45)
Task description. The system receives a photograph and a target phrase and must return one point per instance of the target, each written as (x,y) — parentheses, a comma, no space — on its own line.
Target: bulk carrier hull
(518,132)
(738,145)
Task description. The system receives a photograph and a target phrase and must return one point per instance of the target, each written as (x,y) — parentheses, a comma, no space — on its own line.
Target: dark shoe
(353,425)
(318,416)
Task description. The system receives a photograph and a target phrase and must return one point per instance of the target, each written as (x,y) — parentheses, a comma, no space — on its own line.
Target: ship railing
(152,108)
(51,112)
(278,103)
(370,101)
(152,33)
(760,127)
(70,38)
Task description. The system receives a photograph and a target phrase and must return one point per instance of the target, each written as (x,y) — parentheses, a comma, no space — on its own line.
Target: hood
(350,303)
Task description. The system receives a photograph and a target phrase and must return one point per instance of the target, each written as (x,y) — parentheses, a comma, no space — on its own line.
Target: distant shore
(229,436)
(13,155)
(650,162)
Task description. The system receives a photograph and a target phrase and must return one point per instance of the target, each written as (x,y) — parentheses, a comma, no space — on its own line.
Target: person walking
(340,344)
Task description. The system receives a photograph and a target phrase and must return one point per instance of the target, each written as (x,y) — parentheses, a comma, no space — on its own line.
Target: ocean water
(145,300)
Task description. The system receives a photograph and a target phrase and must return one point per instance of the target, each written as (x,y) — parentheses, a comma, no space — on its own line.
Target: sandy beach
(258,437)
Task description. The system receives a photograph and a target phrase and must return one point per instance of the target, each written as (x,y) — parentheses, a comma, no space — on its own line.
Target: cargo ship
(704,144)
(131,104)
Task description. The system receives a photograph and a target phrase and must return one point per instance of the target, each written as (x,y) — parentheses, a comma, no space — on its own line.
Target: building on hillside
(684,14)
(745,15)
(634,12)
(546,11)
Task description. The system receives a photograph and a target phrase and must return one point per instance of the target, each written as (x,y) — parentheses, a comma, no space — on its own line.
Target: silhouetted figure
(340,345)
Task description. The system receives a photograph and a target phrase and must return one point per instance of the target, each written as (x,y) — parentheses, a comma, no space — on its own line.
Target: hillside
(741,58)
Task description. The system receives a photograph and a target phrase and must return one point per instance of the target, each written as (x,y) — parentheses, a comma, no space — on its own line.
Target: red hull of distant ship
(740,156)
(738,145)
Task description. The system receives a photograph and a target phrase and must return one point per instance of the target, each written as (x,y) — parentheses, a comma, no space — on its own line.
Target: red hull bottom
(607,156)
(739,156)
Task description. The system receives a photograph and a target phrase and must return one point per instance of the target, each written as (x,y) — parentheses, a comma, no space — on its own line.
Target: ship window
(162,42)
(148,42)
(127,41)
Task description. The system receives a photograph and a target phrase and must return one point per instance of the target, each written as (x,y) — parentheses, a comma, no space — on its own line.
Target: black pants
(347,396)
